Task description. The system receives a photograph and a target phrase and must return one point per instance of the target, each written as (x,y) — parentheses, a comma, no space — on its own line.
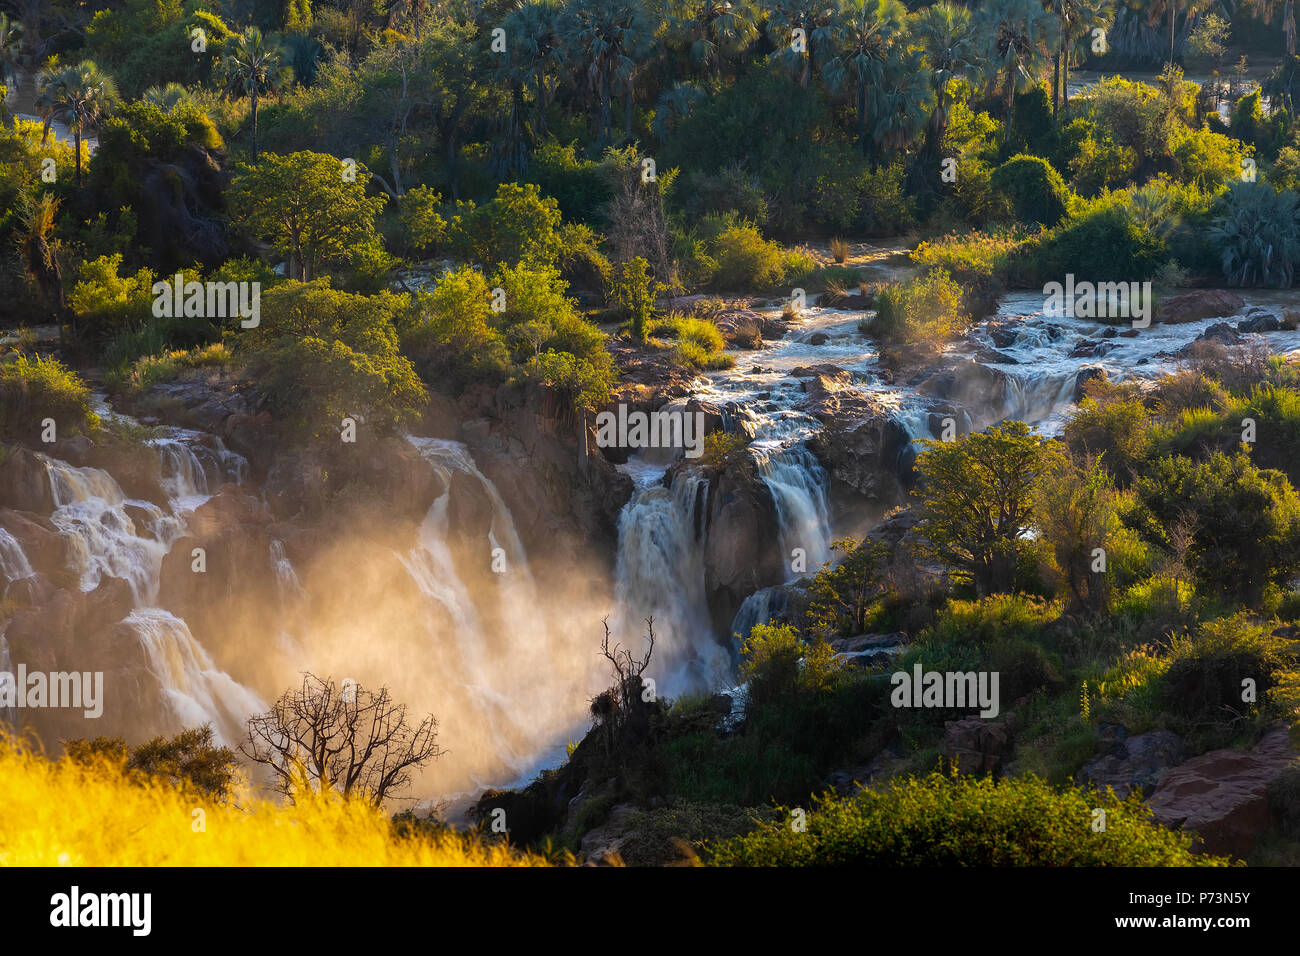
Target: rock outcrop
(1197,305)
(1223,795)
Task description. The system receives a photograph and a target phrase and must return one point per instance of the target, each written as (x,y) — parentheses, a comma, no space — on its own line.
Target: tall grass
(69,814)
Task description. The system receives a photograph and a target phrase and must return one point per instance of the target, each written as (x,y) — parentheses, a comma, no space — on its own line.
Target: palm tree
(856,42)
(902,101)
(537,51)
(1259,235)
(254,64)
(609,36)
(675,104)
(1020,33)
(714,29)
(168,97)
(1171,8)
(79,97)
(948,39)
(811,16)
(1075,20)
(37,251)
(1265,10)
(11,35)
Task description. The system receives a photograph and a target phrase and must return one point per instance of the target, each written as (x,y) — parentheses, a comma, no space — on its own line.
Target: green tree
(190,759)
(855,45)
(304,207)
(322,354)
(635,291)
(1077,512)
(977,494)
(842,592)
(1075,21)
(78,96)
(713,30)
(810,16)
(607,38)
(254,65)
(518,225)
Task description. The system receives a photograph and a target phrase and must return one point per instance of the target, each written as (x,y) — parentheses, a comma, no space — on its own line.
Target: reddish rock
(1223,794)
(1199,304)
(977,745)
(741,327)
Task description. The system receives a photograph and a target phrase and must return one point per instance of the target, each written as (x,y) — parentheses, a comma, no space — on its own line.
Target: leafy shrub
(518,224)
(941,820)
(929,309)
(322,355)
(36,388)
(1036,191)
(745,260)
(1203,680)
(778,665)
(1245,522)
(448,334)
(585,382)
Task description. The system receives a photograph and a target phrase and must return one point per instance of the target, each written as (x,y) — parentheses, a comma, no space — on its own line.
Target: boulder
(1090,349)
(976,745)
(818,338)
(1257,320)
(1089,373)
(25,482)
(1220,332)
(1223,795)
(1003,334)
(866,447)
(740,327)
(1135,763)
(1197,305)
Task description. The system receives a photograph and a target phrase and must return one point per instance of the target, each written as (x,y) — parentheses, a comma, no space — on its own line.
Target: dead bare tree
(616,710)
(342,739)
(638,225)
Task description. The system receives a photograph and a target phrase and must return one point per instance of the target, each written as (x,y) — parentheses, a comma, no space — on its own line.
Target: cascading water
(96,518)
(800,488)
(90,510)
(196,690)
(660,574)
(14,565)
(485,632)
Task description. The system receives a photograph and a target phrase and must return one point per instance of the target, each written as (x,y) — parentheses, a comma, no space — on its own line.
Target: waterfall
(1037,396)
(14,565)
(660,573)
(800,488)
(197,691)
(759,608)
(500,659)
(91,511)
(191,471)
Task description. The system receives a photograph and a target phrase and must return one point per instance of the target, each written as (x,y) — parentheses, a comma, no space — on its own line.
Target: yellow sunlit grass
(59,813)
